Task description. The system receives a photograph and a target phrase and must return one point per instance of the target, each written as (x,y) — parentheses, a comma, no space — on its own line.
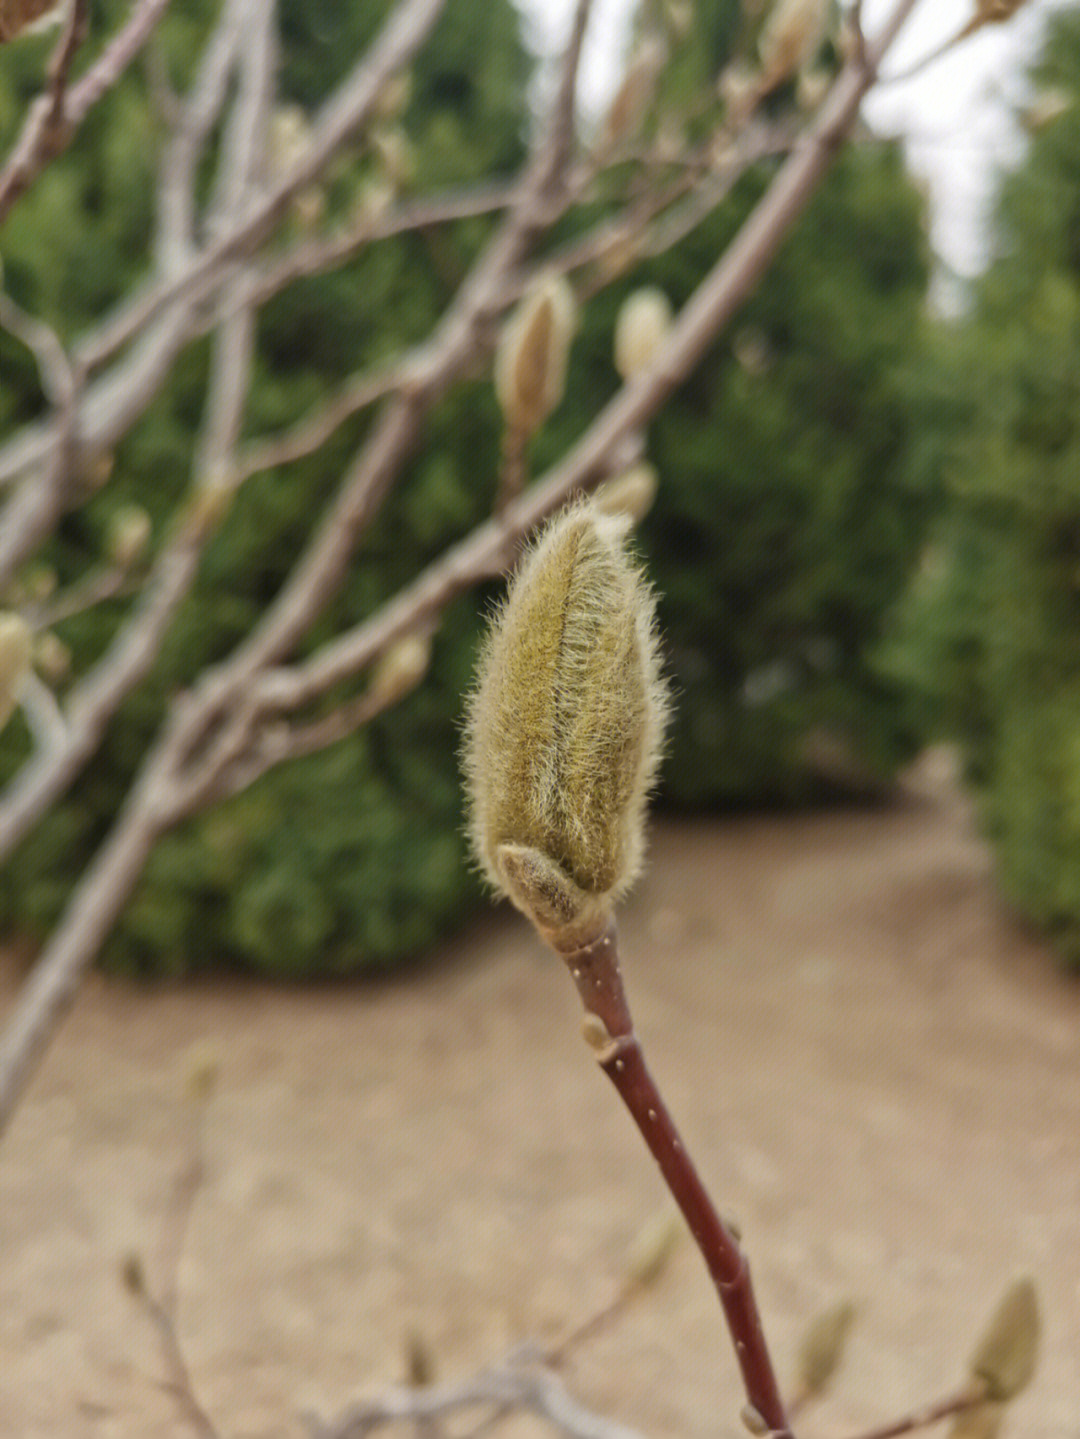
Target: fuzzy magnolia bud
(792,34)
(530,363)
(1005,1357)
(983,1421)
(641,328)
(15,654)
(564,729)
(129,535)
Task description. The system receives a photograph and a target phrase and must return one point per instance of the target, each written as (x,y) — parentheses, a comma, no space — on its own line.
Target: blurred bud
(52,657)
(393,99)
(400,668)
(308,206)
(678,17)
(754,1420)
(1048,106)
(128,535)
(396,155)
(619,255)
(531,360)
(791,36)
(631,494)
(1005,1356)
(208,504)
(564,729)
(652,1247)
(419,1360)
(811,88)
(739,88)
(133,1275)
(995,12)
(374,198)
(821,1349)
(983,1421)
(201,1067)
(25,17)
(636,92)
(99,471)
(39,582)
(15,653)
(641,328)
(288,137)
(750,347)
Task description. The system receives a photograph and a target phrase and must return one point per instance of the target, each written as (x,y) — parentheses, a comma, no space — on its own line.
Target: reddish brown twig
(968,1398)
(609,1029)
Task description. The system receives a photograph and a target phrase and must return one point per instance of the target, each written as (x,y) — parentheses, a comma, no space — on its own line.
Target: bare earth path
(876,1071)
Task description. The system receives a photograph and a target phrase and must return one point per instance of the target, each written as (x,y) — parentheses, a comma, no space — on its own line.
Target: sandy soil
(876,1070)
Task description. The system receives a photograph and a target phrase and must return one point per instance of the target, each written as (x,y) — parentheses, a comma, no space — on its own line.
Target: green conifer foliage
(993,620)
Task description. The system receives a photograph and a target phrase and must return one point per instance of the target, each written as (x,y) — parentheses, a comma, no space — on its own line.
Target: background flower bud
(530,363)
(128,536)
(1005,1357)
(564,728)
(640,329)
(630,493)
(400,668)
(792,34)
(15,648)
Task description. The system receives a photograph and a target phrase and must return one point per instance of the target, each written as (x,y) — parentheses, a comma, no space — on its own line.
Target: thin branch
(514,1385)
(926,1415)
(151,807)
(49,127)
(596,975)
(54,367)
(340,117)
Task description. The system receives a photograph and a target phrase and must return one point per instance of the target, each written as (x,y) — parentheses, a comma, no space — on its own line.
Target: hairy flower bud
(640,329)
(15,651)
(565,727)
(530,363)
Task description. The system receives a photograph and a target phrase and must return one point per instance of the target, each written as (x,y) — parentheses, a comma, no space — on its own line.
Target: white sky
(957,117)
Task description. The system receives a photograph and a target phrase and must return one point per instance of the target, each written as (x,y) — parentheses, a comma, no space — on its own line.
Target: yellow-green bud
(565,727)
(1006,1354)
(129,535)
(530,363)
(631,493)
(289,135)
(792,34)
(641,328)
(400,668)
(15,652)
(393,99)
(52,657)
(822,1348)
(652,1247)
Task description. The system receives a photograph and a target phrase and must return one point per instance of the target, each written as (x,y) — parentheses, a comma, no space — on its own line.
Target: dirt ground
(876,1070)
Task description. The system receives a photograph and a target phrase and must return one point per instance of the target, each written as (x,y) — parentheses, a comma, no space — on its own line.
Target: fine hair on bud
(565,726)
(530,362)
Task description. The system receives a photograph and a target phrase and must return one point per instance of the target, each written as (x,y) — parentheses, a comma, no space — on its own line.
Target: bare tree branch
(50,125)
(516,1384)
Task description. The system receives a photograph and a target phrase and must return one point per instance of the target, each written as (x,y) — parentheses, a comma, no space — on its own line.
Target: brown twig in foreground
(609,1029)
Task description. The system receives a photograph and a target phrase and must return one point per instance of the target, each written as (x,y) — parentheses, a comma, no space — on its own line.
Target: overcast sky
(957,117)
